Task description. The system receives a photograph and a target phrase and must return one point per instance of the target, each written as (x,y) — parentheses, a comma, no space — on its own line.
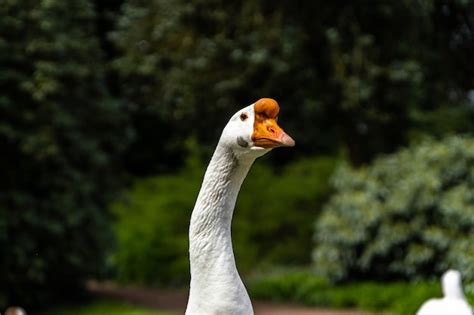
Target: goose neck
(215,204)
(216,287)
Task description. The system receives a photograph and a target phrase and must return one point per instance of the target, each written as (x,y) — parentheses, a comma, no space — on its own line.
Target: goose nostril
(270,129)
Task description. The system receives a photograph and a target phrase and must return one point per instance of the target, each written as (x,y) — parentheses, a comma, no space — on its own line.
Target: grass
(103,307)
(398,298)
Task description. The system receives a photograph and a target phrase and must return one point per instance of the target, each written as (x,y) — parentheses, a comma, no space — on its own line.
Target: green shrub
(152,229)
(305,287)
(406,216)
(275,209)
(273,226)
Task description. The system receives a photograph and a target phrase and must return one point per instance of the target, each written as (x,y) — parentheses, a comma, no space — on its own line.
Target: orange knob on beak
(266,132)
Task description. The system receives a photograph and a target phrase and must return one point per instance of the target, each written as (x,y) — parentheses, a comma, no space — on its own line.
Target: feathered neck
(215,283)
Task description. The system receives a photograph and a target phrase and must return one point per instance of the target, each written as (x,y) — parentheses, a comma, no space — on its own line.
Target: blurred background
(110,111)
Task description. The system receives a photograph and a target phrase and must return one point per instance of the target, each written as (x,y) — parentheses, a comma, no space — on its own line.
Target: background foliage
(305,287)
(100,97)
(407,215)
(153,219)
(369,75)
(61,134)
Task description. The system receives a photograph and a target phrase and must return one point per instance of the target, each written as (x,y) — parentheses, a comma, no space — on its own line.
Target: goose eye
(243,116)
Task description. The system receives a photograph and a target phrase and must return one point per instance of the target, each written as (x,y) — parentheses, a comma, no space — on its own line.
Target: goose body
(453,302)
(216,287)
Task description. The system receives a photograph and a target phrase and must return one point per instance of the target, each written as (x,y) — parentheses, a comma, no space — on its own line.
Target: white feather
(453,302)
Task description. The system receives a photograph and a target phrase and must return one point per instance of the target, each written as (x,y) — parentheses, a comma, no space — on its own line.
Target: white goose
(216,287)
(453,302)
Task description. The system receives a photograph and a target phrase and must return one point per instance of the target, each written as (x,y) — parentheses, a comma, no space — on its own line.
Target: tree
(360,77)
(61,136)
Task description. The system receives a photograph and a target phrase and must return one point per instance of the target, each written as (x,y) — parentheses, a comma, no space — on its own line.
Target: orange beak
(266,132)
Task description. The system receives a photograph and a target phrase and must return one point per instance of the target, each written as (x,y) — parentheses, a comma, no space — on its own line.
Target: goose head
(254,131)
(451,283)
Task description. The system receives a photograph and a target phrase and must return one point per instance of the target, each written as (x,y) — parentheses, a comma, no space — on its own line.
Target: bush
(274,226)
(152,229)
(305,287)
(406,216)
(153,219)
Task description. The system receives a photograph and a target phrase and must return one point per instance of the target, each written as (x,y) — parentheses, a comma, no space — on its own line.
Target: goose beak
(267,134)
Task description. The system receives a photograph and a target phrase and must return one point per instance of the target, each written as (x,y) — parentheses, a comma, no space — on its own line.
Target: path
(175,301)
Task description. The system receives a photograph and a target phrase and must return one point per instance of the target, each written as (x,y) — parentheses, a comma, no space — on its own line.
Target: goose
(216,287)
(453,303)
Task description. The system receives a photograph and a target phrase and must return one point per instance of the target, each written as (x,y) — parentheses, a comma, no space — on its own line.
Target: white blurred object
(15,310)
(453,303)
